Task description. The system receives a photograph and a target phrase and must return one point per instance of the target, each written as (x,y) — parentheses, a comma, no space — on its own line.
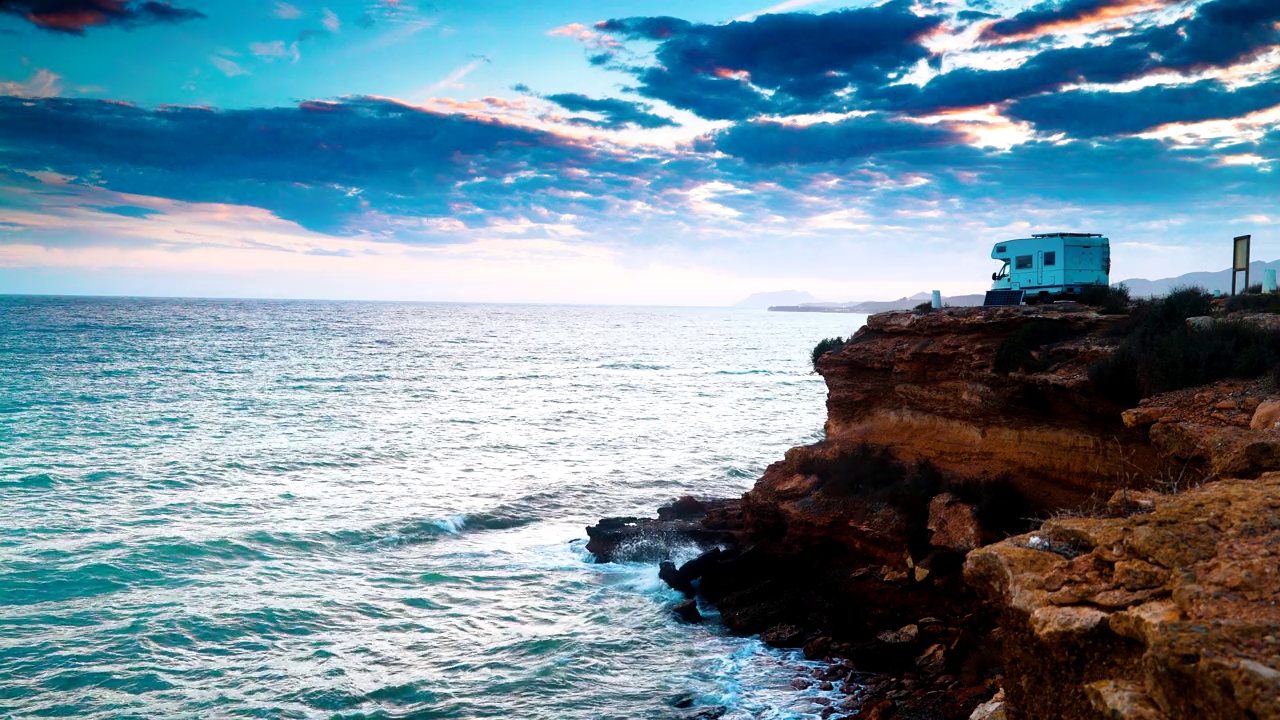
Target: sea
(347,510)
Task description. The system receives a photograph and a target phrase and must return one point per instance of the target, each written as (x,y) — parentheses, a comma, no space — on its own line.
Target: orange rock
(1266,416)
(1198,636)
(953,524)
(1142,416)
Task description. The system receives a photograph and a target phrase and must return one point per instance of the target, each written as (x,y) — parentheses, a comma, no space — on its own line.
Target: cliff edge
(909,548)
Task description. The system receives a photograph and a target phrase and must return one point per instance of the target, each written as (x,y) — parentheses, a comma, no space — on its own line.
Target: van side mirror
(995,276)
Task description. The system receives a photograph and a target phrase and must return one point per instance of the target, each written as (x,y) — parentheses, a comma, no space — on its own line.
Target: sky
(683,153)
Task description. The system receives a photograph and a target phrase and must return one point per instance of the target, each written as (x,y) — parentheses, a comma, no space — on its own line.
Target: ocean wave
(412,532)
(752,372)
(633,366)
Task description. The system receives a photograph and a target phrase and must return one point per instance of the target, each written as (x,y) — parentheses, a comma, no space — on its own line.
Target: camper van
(1051,266)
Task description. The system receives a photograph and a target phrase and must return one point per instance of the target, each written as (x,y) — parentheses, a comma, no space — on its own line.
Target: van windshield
(1003,272)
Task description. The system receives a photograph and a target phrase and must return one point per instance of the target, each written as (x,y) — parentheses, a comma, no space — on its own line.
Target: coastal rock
(928,386)
(1195,629)
(953,524)
(687,611)
(631,539)
(1223,429)
(1266,416)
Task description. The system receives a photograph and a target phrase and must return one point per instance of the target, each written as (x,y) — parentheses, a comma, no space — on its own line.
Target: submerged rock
(687,611)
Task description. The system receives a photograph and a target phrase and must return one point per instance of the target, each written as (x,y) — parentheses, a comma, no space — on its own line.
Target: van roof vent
(1062,234)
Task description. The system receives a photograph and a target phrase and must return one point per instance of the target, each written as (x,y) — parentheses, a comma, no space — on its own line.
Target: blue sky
(659,152)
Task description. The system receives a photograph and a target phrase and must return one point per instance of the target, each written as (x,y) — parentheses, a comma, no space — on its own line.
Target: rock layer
(948,430)
(929,386)
(1167,614)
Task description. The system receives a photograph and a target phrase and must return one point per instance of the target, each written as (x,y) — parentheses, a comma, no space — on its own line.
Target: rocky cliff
(950,431)
(930,386)
(1170,613)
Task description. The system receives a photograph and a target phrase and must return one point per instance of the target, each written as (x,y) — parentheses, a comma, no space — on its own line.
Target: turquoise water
(374,510)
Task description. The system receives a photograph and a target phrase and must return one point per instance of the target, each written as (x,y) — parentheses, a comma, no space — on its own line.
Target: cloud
(268,50)
(1087,114)
(772,143)
(785,63)
(229,67)
(42,84)
(330,21)
(454,79)
(319,163)
(585,35)
(130,211)
(285,11)
(617,113)
(1220,33)
(74,16)
(1048,17)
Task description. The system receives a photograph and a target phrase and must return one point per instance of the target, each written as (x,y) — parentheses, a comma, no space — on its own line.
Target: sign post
(1240,262)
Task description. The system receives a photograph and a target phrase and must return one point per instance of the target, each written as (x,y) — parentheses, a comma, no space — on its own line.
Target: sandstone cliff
(927,385)
(899,544)
(1167,614)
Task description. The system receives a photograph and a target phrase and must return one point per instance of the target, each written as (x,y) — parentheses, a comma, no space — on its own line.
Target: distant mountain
(875,306)
(780,297)
(1219,281)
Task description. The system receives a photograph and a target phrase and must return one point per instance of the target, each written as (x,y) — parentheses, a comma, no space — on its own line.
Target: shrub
(873,473)
(1108,300)
(1015,351)
(825,346)
(924,307)
(1254,303)
(1162,353)
(997,504)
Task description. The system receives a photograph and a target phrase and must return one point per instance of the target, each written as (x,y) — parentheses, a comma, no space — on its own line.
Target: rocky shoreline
(908,551)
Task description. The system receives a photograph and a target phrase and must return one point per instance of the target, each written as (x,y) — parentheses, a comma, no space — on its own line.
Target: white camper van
(1049,266)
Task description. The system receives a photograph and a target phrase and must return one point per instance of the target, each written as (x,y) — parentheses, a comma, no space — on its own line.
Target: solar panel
(1003,298)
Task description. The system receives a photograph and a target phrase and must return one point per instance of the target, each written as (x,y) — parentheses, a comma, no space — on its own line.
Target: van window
(1022,262)
(1000,249)
(1050,258)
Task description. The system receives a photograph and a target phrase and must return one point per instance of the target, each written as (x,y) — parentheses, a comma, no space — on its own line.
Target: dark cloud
(1220,33)
(617,113)
(646,28)
(771,143)
(318,163)
(804,59)
(1049,70)
(971,15)
(1087,114)
(1046,15)
(73,16)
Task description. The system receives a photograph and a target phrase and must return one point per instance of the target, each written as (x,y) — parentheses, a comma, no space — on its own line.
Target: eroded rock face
(1164,614)
(927,385)
(1224,429)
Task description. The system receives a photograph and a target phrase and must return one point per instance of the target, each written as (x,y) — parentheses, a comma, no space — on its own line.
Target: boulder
(907,634)
(687,611)
(1266,416)
(953,524)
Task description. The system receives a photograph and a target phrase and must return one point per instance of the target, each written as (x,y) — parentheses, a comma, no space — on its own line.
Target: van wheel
(1045,298)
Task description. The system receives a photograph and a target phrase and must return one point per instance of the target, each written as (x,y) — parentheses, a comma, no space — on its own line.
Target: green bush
(1161,353)
(1108,300)
(1254,303)
(1015,351)
(924,307)
(825,346)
